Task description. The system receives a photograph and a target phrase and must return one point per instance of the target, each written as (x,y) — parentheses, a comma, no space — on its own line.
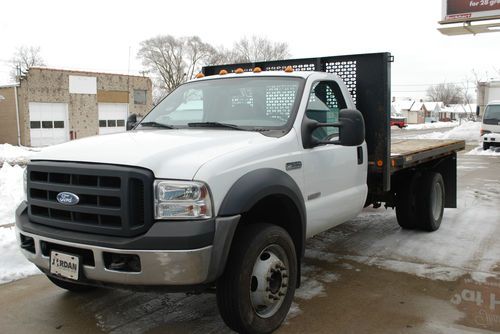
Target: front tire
(256,290)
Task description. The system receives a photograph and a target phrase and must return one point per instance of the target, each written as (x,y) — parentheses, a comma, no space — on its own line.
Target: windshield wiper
(214,125)
(157,125)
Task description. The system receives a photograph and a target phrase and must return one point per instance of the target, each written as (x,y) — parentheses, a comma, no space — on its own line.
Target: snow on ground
(479,151)
(13,265)
(16,155)
(11,191)
(468,131)
(436,125)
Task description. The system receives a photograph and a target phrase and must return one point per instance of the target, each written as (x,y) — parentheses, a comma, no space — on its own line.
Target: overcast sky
(97,35)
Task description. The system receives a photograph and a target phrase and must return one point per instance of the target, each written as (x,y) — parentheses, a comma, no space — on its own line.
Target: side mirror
(478,110)
(351,127)
(131,121)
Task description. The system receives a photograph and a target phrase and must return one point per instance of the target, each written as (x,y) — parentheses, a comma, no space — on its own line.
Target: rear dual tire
(420,205)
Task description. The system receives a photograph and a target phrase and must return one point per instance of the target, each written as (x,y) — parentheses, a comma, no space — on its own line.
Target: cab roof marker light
(222,72)
(289,69)
(257,70)
(200,75)
(239,70)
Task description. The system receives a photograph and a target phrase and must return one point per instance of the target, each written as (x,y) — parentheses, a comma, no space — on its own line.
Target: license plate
(64,265)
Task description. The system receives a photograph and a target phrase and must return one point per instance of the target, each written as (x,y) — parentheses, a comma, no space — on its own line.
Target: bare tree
(448,93)
(258,49)
(23,59)
(175,60)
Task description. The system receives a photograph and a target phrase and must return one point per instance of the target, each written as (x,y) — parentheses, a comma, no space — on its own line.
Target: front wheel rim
(269,281)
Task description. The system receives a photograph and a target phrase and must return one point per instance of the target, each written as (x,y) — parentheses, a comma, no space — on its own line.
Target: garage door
(48,123)
(112,117)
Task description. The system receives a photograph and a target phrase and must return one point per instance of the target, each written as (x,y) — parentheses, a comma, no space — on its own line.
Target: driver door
(335,182)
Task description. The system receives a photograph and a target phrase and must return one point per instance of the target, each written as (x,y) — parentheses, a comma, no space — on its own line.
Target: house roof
(417,106)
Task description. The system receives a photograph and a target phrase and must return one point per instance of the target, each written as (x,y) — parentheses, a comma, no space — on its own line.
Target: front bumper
(492,138)
(177,267)
(158,267)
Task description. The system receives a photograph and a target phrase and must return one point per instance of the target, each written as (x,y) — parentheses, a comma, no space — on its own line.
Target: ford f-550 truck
(223,181)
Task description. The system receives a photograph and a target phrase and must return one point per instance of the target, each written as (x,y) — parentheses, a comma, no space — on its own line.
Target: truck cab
(490,127)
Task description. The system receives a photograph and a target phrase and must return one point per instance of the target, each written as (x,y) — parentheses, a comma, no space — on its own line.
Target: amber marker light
(289,69)
(222,72)
(257,70)
(200,75)
(239,71)
(380,163)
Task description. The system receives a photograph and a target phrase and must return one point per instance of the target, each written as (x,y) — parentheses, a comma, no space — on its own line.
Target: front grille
(113,200)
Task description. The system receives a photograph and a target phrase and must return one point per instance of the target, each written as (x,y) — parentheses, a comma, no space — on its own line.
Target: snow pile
(493,151)
(13,265)
(11,192)
(16,155)
(468,131)
(436,125)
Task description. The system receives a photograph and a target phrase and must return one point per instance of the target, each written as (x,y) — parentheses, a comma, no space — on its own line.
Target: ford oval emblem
(67,198)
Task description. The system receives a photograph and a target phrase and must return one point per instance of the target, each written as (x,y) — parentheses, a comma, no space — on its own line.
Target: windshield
(492,112)
(263,103)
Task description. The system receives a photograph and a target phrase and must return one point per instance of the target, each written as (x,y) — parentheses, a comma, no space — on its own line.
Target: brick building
(50,106)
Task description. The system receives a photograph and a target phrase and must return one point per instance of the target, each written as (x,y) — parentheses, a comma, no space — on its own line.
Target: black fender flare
(258,184)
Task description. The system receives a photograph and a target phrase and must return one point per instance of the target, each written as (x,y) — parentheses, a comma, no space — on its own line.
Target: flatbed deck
(407,153)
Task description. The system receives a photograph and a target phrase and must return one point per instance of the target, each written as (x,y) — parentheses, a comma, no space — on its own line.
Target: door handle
(360,155)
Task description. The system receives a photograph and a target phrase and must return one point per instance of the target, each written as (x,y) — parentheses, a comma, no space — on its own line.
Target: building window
(58,124)
(139,96)
(111,123)
(47,125)
(35,124)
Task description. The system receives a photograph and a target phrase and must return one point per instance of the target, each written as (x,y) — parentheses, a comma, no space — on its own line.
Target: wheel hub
(269,283)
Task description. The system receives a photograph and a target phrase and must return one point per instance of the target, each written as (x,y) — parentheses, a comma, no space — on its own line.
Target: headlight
(182,200)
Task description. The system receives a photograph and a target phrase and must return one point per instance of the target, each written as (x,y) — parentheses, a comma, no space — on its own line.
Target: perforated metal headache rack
(368,79)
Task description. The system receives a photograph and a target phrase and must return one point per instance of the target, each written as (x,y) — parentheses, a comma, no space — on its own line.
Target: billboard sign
(470,10)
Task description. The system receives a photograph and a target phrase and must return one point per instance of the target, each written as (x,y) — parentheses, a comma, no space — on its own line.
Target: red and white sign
(470,10)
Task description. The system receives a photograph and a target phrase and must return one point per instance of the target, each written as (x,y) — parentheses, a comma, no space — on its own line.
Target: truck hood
(173,154)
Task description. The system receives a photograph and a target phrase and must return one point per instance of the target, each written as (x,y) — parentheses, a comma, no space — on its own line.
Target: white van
(490,129)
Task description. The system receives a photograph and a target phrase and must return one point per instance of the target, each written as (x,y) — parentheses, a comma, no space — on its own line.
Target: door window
(324,105)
